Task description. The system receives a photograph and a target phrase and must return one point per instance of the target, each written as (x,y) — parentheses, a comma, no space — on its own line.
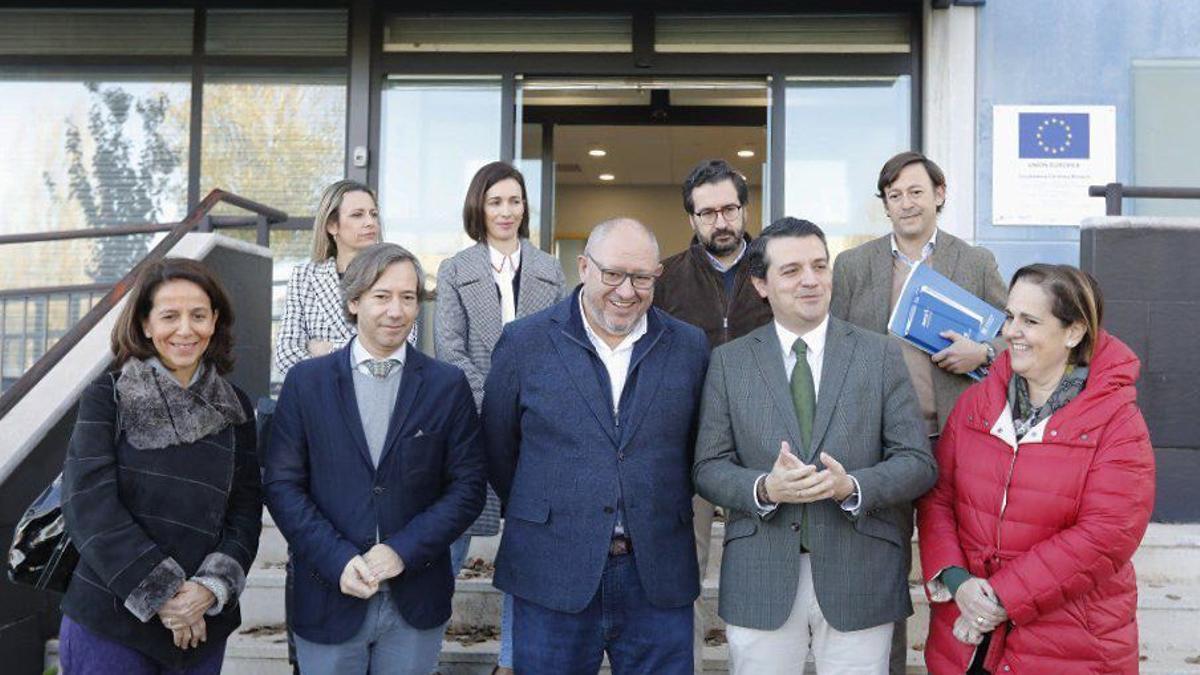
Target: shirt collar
(722,267)
(926,250)
(359,354)
(601,346)
(501,261)
(814,340)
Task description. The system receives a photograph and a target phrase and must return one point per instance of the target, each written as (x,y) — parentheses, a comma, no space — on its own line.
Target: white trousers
(702,522)
(785,651)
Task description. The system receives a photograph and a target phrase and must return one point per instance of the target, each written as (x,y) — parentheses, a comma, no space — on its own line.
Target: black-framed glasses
(609,277)
(729,212)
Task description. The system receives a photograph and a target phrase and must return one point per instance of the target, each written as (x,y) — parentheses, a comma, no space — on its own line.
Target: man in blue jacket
(374,467)
(589,418)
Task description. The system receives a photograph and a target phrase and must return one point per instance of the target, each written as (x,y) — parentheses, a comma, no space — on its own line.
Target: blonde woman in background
(313,324)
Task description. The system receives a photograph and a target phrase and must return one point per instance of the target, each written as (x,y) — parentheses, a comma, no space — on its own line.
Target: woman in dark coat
(162,493)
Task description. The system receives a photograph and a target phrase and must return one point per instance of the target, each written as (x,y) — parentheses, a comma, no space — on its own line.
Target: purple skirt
(82,652)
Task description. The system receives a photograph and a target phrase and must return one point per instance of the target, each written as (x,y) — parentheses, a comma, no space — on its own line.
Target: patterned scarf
(1026,415)
(157,412)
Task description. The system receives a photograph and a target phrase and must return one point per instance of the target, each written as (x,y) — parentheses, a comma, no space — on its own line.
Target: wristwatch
(991,354)
(760,491)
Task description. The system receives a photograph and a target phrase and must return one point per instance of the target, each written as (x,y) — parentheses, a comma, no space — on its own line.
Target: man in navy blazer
(375,466)
(589,418)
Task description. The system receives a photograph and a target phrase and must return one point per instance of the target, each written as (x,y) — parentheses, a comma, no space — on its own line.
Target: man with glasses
(589,415)
(707,285)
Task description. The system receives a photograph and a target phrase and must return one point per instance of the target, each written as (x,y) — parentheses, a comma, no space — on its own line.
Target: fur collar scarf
(157,412)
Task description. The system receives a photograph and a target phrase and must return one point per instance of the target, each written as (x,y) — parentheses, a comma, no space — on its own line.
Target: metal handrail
(271,215)
(1114,193)
(6,293)
(89,321)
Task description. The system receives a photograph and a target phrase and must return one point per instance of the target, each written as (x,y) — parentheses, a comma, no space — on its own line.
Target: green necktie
(803,395)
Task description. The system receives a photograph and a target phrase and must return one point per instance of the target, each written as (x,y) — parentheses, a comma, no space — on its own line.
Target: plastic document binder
(930,303)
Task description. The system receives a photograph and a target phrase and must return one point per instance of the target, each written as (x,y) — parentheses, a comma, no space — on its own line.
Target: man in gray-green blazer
(867,280)
(810,438)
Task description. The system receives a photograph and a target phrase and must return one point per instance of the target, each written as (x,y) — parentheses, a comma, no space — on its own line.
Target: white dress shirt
(615,359)
(359,356)
(814,341)
(504,270)
(926,250)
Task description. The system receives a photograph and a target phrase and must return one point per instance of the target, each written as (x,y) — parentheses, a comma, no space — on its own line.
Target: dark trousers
(638,637)
(82,652)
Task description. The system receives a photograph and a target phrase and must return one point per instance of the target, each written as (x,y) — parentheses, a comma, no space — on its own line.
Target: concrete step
(272,547)
(1168,565)
(263,651)
(1169,553)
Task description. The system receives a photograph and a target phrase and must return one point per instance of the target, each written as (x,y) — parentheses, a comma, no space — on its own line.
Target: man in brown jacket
(867,281)
(708,285)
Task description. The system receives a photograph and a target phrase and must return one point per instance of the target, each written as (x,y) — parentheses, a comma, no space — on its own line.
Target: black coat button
(795,527)
(378,489)
(608,509)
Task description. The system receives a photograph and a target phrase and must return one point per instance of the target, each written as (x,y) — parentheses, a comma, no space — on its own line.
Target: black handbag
(41,554)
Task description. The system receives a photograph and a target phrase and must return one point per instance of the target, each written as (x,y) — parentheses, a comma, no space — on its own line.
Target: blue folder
(930,303)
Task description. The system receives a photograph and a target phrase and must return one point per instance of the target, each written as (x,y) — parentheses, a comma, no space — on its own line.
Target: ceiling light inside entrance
(606,177)
(597,152)
(745,153)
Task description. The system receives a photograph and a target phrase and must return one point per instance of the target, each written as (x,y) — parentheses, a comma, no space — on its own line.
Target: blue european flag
(1053,135)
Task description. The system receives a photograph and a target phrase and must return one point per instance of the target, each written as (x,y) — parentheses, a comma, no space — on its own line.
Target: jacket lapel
(349,403)
(539,287)
(839,350)
(881,270)
(410,385)
(649,369)
(478,288)
(945,255)
(768,356)
(576,354)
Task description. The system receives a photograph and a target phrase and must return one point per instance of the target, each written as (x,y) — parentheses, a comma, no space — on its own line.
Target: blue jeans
(385,643)
(458,557)
(639,637)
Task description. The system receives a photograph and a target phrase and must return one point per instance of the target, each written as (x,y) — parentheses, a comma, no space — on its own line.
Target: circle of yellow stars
(1060,123)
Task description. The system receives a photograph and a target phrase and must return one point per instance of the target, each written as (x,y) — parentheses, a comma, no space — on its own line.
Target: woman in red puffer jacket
(1045,488)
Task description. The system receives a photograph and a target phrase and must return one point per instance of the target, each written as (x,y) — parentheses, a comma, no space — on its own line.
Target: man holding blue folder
(867,281)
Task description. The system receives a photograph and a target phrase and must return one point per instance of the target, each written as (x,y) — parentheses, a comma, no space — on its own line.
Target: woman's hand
(320,347)
(187,607)
(966,633)
(978,603)
(189,636)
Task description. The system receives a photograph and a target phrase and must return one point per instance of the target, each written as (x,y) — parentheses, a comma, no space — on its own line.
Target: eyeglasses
(729,212)
(609,277)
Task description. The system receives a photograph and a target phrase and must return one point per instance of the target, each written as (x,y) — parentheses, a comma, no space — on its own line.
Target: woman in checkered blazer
(313,322)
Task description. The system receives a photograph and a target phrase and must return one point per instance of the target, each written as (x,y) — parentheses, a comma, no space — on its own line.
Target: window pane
(276,140)
(292,32)
(88,153)
(95,31)
(838,134)
(509,33)
(770,34)
(436,135)
(1166,95)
